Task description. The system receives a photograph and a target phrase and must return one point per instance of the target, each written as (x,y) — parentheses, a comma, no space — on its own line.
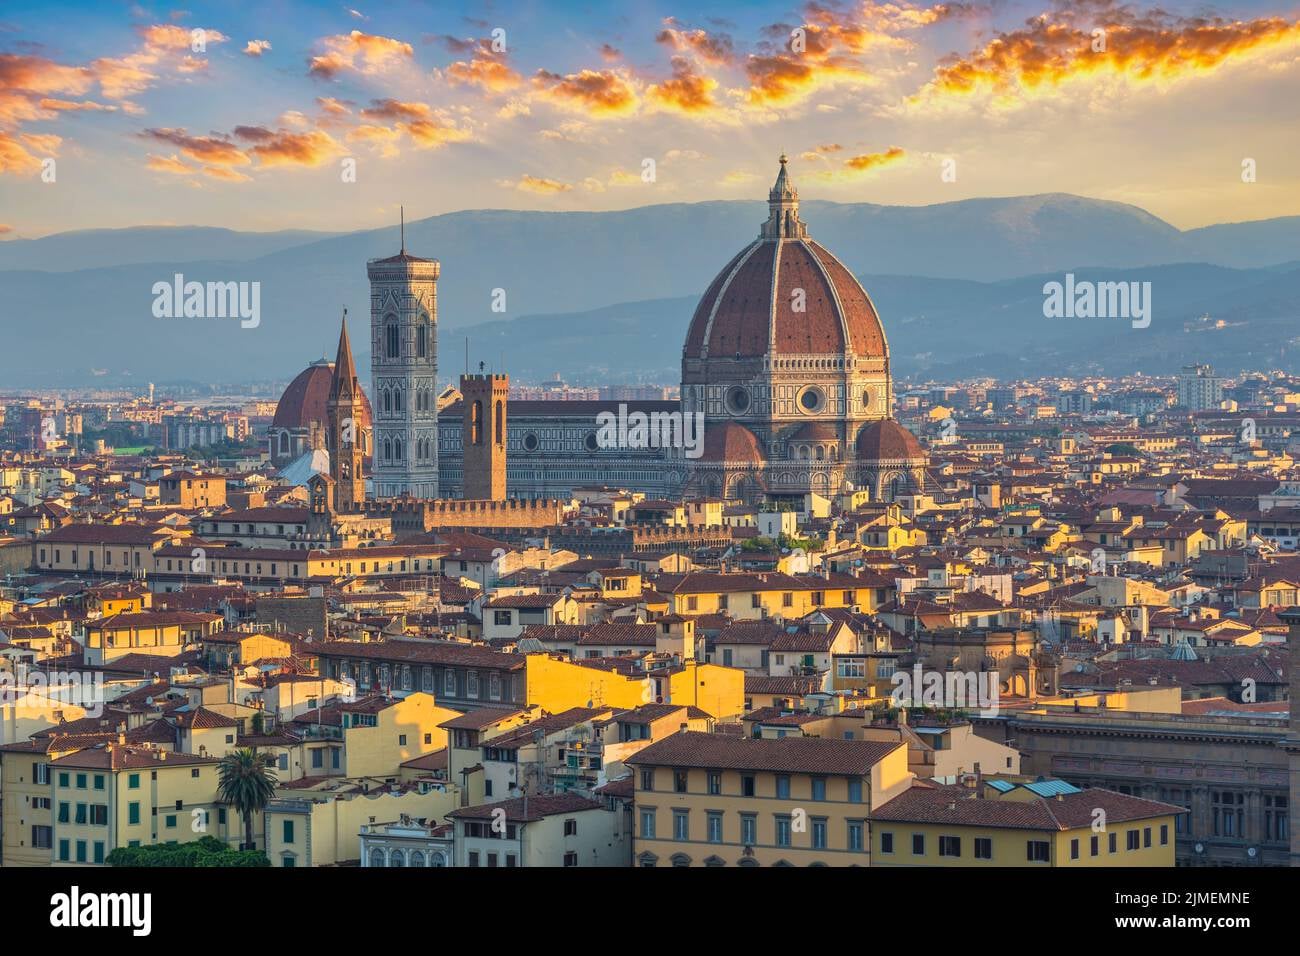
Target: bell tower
(404,373)
(346,439)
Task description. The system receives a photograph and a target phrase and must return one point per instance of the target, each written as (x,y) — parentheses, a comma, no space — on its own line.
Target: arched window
(377,857)
(284,443)
(437,859)
(397,449)
(476,423)
(392,346)
(397,399)
(397,859)
(388,450)
(417,858)
(421,339)
(499,439)
(388,400)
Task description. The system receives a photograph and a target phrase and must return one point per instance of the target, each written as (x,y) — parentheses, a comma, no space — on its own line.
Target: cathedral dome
(307,397)
(785,294)
(886,440)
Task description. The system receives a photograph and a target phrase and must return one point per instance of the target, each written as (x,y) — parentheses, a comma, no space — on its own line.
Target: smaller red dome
(731,442)
(886,440)
(306,400)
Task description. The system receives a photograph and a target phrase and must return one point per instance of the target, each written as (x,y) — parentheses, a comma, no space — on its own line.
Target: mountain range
(606,296)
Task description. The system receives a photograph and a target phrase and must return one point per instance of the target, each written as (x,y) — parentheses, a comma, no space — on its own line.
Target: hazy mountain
(944,277)
(944,327)
(95,248)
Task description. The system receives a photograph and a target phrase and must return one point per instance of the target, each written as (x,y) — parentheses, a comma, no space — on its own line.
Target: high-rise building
(404,374)
(483,436)
(1199,389)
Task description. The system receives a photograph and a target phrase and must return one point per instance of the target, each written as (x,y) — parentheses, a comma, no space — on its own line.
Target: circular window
(530,442)
(812,399)
(592,442)
(737,400)
(866,398)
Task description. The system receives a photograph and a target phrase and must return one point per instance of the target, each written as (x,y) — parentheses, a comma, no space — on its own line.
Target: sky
(283,115)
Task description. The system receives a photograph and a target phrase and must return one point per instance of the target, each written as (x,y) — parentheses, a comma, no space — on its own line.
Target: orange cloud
(15,156)
(365,53)
(486,69)
(856,167)
(687,92)
(203,149)
(715,49)
(782,78)
(537,184)
(1054,49)
(596,92)
(5,229)
(334,107)
(427,127)
(287,148)
(168,164)
(256,47)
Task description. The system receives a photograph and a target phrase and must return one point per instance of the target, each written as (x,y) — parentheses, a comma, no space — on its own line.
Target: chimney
(979,781)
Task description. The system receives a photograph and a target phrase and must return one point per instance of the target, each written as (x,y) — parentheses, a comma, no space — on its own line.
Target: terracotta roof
(1068,812)
(731,442)
(787,755)
(530,809)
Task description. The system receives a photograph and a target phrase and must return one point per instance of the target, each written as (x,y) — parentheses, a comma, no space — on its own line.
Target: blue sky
(322,116)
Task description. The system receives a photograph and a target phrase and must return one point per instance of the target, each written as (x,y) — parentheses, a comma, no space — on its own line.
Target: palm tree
(246,783)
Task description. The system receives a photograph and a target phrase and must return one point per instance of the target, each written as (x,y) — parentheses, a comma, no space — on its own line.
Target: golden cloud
(687,92)
(856,167)
(596,92)
(1055,49)
(203,149)
(15,156)
(256,47)
(364,53)
(168,164)
(537,184)
(287,148)
(486,69)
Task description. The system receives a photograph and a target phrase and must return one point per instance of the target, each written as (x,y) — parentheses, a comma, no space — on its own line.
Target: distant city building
(1199,389)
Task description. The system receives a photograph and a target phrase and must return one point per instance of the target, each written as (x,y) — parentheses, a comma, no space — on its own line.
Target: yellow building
(120,794)
(371,737)
(320,824)
(26,808)
(1000,824)
(556,684)
(756,596)
(160,633)
(724,800)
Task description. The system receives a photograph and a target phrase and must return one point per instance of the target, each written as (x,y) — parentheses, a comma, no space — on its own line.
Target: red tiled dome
(307,397)
(886,440)
(749,306)
(731,442)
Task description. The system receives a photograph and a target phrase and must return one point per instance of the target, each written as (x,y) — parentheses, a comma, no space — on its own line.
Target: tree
(205,852)
(246,783)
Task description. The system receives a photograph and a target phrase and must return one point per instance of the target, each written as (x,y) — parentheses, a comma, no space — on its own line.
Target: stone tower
(483,436)
(346,438)
(404,373)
